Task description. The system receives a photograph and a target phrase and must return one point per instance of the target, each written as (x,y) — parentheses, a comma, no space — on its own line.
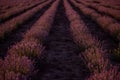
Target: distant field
(59,39)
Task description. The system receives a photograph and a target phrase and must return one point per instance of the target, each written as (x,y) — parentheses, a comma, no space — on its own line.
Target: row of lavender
(17,10)
(19,64)
(100,8)
(108,24)
(11,25)
(8,5)
(94,54)
(108,4)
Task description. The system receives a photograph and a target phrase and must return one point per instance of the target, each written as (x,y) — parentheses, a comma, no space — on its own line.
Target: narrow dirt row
(109,42)
(17,35)
(17,14)
(60,59)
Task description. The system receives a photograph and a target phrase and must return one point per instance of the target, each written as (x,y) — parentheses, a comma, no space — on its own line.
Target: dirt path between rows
(61,60)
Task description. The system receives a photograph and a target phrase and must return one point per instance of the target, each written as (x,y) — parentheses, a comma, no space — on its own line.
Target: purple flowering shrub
(41,28)
(94,59)
(37,32)
(16,67)
(30,48)
(111,74)
(114,29)
(13,76)
(18,64)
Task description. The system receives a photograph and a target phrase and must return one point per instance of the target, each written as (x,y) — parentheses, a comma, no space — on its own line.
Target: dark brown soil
(61,60)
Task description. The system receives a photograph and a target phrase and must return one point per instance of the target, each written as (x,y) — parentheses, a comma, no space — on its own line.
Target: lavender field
(59,40)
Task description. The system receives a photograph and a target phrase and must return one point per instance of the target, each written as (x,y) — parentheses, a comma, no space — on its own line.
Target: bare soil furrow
(60,59)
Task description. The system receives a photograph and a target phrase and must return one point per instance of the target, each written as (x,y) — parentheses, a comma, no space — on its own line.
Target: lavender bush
(94,59)
(16,67)
(30,48)
(18,64)
(111,74)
